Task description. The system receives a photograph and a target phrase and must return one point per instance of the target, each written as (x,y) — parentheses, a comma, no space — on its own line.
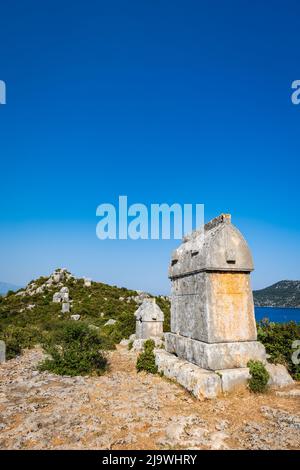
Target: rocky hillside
(281,294)
(48,302)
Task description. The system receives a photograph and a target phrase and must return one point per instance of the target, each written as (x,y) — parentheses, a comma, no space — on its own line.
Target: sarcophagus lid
(217,246)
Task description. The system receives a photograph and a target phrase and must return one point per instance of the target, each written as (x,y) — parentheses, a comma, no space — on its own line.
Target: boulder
(56,297)
(279,376)
(75,317)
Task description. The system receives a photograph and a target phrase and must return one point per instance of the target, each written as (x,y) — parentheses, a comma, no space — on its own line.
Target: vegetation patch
(75,350)
(146,360)
(278,339)
(258,383)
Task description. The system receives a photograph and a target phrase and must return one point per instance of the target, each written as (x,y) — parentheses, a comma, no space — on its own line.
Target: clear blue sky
(163,101)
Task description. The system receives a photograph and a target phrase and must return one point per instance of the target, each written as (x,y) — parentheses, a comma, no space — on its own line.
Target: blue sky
(168,101)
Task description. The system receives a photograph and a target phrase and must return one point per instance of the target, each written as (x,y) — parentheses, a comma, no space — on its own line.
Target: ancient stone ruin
(149,324)
(213,329)
(149,320)
(62,297)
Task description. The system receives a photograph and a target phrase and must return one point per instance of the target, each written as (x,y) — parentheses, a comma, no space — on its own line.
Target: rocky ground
(127,410)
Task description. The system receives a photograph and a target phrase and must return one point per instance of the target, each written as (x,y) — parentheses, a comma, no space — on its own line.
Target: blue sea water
(277,315)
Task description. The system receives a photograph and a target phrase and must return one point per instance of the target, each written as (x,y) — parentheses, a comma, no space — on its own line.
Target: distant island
(282,294)
(6,287)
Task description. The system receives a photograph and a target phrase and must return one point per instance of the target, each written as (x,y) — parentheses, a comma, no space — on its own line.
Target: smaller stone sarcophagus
(212,311)
(149,320)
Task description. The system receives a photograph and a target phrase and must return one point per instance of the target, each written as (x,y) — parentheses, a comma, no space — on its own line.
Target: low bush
(75,350)
(258,383)
(146,360)
(278,339)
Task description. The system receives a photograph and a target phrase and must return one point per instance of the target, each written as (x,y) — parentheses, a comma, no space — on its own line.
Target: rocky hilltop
(282,294)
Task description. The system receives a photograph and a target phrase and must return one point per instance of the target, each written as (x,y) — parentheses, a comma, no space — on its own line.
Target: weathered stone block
(234,379)
(213,307)
(230,309)
(279,376)
(65,307)
(215,356)
(2,351)
(202,383)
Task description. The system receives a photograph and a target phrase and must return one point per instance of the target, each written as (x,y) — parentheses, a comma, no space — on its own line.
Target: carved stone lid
(149,311)
(216,246)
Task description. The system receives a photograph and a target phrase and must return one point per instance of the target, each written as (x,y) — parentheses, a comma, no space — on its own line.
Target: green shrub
(75,350)
(17,338)
(146,360)
(278,339)
(149,345)
(130,345)
(258,383)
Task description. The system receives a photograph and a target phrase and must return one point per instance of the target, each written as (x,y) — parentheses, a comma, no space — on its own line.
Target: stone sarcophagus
(149,320)
(212,311)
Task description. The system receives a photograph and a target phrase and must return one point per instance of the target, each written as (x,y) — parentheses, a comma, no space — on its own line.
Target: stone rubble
(111,321)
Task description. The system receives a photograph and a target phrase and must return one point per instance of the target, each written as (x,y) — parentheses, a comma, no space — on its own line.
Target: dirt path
(127,410)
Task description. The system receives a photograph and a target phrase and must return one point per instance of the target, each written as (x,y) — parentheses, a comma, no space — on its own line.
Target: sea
(277,315)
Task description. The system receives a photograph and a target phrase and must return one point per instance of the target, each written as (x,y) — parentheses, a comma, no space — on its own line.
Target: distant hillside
(5,287)
(281,294)
(32,313)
